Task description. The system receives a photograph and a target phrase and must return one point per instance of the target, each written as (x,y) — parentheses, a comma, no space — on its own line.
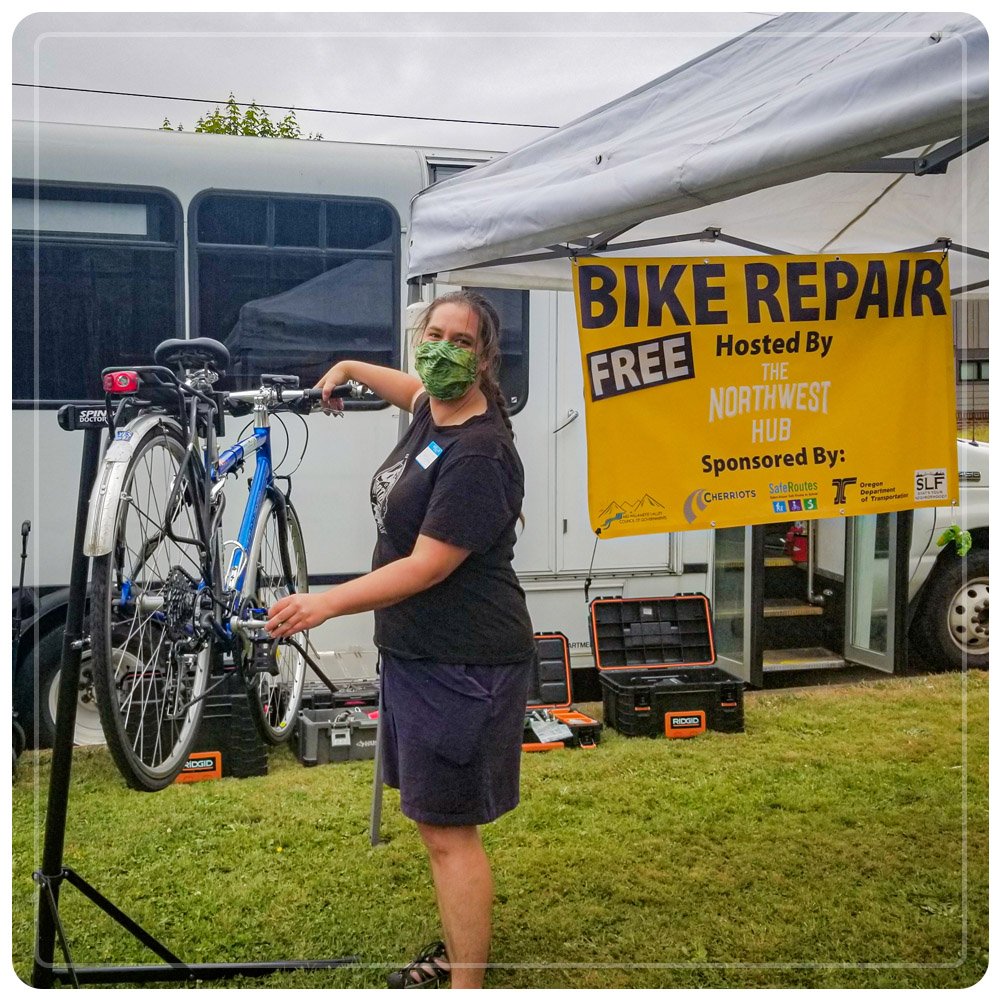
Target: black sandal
(425,970)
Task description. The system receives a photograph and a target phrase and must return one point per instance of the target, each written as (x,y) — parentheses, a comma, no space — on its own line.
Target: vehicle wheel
(150,653)
(956,613)
(18,742)
(36,694)
(276,567)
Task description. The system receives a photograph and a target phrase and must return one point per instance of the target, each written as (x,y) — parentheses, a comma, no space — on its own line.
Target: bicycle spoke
(275,696)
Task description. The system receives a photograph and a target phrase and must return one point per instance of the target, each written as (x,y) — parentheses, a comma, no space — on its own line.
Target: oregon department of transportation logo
(841,486)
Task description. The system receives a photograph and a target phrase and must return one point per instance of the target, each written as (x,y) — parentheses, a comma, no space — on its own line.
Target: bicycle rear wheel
(276,567)
(150,653)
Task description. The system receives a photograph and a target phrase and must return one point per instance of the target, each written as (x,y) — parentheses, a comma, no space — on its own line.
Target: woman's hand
(296,613)
(337,375)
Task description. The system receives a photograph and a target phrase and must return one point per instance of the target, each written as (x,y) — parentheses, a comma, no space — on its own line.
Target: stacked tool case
(347,693)
(334,735)
(655,659)
(228,728)
(551,721)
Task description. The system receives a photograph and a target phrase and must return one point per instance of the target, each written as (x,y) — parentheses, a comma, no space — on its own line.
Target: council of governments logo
(643,509)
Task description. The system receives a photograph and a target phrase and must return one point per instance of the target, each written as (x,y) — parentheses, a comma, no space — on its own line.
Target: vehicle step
(770,562)
(811,658)
(774,607)
(789,607)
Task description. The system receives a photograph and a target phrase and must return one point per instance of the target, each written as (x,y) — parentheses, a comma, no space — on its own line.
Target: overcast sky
(541,69)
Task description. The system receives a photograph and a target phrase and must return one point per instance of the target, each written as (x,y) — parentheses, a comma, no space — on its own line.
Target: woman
(451,624)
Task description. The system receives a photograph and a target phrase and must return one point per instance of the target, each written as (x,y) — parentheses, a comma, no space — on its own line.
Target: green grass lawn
(827,846)
(977,432)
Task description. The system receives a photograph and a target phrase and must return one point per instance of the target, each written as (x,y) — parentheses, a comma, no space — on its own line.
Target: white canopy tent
(776,141)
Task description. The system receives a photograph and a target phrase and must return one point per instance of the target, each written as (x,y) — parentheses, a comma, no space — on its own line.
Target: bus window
(108,271)
(512,306)
(292,285)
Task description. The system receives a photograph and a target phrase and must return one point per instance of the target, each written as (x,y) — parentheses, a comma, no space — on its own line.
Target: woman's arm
(396,387)
(430,562)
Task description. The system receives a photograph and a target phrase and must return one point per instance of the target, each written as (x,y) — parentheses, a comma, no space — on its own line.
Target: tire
(955,613)
(276,567)
(18,743)
(36,692)
(150,660)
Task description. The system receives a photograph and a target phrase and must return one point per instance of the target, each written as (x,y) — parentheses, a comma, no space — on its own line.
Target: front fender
(105,498)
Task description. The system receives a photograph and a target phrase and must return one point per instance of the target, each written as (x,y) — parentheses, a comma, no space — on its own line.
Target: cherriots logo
(696,499)
(700,499)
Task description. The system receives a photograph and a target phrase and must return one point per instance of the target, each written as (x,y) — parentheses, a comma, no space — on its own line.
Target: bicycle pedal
(264,659)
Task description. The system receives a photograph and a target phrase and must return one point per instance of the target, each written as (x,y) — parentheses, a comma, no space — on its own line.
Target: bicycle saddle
(193,353)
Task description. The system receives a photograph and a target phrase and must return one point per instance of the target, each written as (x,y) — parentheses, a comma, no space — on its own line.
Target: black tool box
(227,735)
(656,665)
(347,693)
(551,721)
(332,735)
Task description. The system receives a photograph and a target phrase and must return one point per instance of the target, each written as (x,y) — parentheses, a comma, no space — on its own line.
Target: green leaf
(253,121)
(962,539)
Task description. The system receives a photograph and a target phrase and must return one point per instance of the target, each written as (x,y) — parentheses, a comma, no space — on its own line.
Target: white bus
(293,254)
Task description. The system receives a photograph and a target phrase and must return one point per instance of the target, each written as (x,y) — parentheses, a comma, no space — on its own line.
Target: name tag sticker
(428,455)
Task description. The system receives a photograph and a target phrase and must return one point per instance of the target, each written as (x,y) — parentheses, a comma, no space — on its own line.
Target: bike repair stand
(92,420)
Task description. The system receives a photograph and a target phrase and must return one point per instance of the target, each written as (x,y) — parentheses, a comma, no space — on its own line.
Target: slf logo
(930,484)
(842,485)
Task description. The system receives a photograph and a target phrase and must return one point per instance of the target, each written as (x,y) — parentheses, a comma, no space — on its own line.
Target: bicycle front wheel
(276,567)
(150,653)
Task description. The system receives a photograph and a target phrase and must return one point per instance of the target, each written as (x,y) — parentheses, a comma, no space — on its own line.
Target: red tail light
(121,382)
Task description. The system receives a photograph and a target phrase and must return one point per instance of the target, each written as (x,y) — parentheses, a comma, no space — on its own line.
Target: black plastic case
(227,727)
(551,691)
(655,659)
(350,693)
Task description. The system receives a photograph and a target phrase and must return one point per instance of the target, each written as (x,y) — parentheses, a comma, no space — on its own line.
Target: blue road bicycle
(169,600)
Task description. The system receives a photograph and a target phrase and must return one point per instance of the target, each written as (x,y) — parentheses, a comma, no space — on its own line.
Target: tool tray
(655,658)
(550,699)
(348,693)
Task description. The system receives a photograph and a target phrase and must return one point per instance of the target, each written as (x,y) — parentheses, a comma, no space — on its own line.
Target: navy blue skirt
(451,738)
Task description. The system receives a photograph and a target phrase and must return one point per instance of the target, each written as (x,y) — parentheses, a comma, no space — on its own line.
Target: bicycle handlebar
(301,400)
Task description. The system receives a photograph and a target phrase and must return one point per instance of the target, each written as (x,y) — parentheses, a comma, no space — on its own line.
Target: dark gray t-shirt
(463,485)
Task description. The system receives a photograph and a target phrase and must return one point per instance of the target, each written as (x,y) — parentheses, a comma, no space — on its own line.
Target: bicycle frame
(263,477)
(198,408)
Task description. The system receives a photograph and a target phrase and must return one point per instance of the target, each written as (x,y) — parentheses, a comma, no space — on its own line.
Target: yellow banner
(749,390)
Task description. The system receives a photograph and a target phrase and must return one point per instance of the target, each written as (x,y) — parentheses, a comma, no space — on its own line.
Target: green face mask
(446,370)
